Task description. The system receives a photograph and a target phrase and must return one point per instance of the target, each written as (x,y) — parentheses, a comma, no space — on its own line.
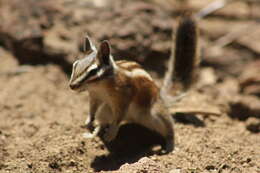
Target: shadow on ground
(188,119)
(132,143)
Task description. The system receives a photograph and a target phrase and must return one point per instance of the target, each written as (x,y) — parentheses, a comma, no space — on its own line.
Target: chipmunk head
(95,66)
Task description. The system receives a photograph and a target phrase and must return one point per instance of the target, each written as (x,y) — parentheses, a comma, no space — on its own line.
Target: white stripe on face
(81,67)
(83,75)
(73,73)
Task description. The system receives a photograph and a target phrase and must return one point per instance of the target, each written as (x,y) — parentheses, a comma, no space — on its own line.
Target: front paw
(88,135)
(93,134)
(110,133)
(89,124)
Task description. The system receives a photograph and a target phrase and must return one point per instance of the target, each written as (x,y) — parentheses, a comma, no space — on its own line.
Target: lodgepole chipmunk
(122,91)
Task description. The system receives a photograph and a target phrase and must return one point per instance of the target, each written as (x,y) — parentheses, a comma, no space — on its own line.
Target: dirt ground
(42,120)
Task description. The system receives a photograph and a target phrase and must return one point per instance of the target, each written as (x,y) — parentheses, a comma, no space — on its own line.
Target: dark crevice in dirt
(188,119)
(55,165)
(242,112)
(254,127)
(31,51)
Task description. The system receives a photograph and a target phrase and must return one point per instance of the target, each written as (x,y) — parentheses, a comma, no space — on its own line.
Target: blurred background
(41,119)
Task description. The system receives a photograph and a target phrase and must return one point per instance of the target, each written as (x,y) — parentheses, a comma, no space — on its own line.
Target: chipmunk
(123,92)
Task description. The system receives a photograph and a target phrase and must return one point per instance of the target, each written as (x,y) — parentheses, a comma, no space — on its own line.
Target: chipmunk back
(123,92)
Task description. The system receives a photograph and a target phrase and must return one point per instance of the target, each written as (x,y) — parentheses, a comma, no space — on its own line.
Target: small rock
(175,171)
(144,165)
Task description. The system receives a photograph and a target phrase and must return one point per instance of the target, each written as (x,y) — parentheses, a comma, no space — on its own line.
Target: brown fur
(146,91)
(128,65)
(133,97)
(127,93)
(185,59)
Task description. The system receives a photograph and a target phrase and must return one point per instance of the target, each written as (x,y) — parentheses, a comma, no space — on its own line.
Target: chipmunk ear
(104,53)
(88,45)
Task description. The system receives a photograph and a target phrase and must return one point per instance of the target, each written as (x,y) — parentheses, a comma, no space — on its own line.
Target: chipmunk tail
(185,58)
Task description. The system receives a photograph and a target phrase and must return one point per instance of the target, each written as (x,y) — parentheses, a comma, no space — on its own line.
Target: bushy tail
(184,60)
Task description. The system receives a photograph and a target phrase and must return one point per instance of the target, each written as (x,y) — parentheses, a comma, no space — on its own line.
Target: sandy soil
(42,120)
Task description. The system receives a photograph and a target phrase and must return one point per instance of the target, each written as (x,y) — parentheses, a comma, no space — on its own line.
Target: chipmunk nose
(73,86)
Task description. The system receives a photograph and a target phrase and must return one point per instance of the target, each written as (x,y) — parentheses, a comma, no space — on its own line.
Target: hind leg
(118,114)
(162,124)
(169,138)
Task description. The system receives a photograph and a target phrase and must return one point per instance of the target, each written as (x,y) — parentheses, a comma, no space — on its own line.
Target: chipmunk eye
(93,72)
